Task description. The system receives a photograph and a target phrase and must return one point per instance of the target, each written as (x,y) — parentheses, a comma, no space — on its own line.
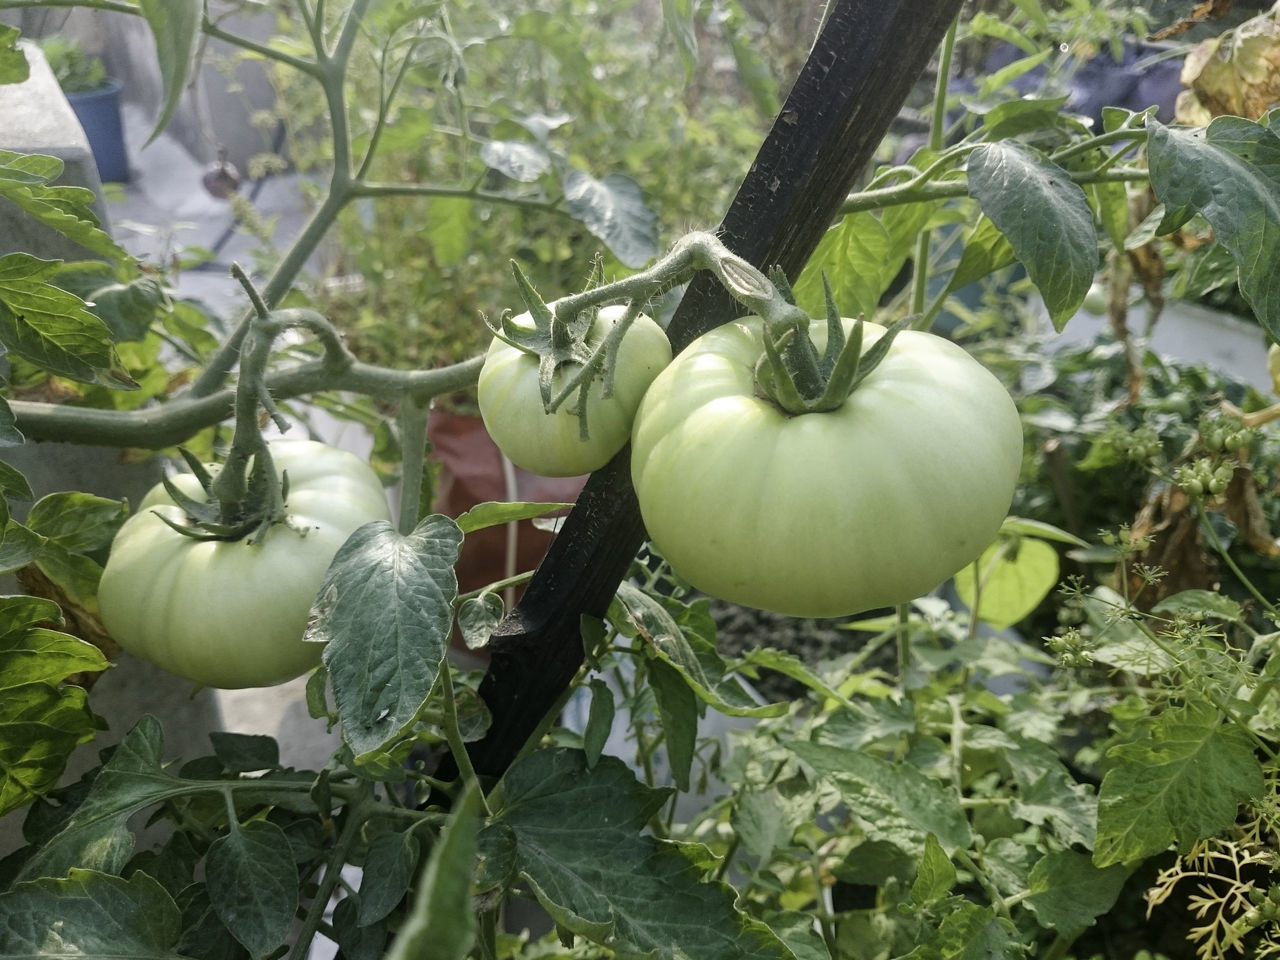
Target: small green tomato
(551,444)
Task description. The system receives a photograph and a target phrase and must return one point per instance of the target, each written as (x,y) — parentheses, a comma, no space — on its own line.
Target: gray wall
(215,110)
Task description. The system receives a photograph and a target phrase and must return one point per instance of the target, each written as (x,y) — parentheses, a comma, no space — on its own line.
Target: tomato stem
(246,498)
(792,372)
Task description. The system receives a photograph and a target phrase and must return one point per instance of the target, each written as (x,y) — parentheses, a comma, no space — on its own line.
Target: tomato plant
(824,513)
(917,811)
(231,613)
(555,443)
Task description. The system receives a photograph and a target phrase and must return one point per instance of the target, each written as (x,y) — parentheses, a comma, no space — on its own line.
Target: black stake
(857,77)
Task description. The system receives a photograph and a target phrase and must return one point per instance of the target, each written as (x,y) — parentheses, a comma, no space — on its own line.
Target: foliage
(1021,763)
(565,124)
(73,67)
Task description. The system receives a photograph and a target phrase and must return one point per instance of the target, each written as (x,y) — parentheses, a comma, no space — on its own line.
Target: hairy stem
(164,425)
(937,132)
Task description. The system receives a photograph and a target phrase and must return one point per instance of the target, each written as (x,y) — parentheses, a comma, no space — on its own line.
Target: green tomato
(551,444)
(232,613)
(824,514)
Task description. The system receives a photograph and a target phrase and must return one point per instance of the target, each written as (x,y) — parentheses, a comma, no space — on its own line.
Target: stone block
(38,119)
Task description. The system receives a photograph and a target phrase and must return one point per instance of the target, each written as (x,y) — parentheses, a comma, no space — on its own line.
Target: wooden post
(857,77)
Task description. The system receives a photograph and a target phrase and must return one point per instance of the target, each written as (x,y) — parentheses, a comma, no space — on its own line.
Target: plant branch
(937,132)
(914,191)
(278,284)
(357,813)
(330,71)
(163,425)
(302,65)
(365,188)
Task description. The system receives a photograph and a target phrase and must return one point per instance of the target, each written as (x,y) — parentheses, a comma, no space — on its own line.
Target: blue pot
(99,114)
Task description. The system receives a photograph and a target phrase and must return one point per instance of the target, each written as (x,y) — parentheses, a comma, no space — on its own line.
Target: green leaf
(389,868)
(1068,892)
(46,656)
(605,879)
(245,753)
(988,25)
(204,937)
(385,614)
(797,930)
(253,884)
(1045,217)
(96,835)
(478,617)
(25,179)
(175,26)
(79,522)
(892,801)
(936,876)
(678,16)
(129,309)
(1111,200)
(763,821)
(985,251)
(599,721)
(678,710)
(615,211)
(442,923)
(995,81)
(76,575)
(684,637)
(94,915)
(857,258)
(1048,794)
(13,62)
(1120,641)
(1021,526)
(10,435)
(792,666)
(18,614)
(357,942)
(860,256)
(449,224)
(1183,782)
(754,70)
(19,547)
(42,719)
(13,485)
(1014,117)
(1032,10)
(40,726)
(1199,604)
(520,160)
(53,328)
(493,513)
(971,932)
(1008,581)
(1230,173)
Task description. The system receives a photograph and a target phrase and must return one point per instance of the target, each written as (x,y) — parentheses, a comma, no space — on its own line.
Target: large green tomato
(551,444)
(824,514)
(232,613)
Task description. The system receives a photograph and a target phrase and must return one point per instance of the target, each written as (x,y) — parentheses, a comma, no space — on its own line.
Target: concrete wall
(216,109)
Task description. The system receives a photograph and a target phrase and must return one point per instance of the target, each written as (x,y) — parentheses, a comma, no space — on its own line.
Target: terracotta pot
(474,471)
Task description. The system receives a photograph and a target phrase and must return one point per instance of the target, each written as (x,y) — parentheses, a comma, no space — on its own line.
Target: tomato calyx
(561,338)
(212,518)
(794,376)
